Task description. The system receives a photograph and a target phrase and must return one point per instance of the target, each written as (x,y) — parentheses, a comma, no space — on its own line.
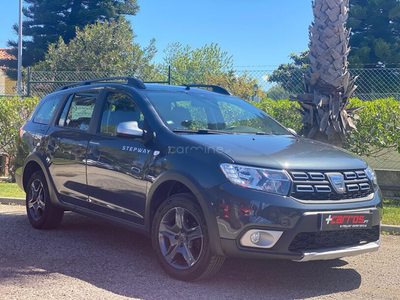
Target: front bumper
(239,210)
(339,252)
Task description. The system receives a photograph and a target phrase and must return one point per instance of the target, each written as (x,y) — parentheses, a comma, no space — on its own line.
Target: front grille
(315,186)
(332,239)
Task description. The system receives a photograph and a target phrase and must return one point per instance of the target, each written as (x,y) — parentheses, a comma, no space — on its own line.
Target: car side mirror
(129,129)
(292,131)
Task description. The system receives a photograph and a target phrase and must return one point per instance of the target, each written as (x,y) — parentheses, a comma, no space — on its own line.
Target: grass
(391,216)
(392,212)
(11,190)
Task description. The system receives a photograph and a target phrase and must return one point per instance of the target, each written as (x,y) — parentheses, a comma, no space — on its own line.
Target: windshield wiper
(264,133)
(201,131)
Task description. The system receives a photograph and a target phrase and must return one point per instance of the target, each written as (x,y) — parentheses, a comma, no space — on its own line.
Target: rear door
(68,145)
(117,166)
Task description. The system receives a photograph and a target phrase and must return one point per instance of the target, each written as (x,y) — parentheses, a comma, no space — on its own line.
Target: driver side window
(117,109)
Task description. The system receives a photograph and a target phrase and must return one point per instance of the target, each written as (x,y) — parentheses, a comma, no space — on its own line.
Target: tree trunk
(328,84)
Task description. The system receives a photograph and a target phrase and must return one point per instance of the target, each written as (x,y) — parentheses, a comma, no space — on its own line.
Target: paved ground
(87,259)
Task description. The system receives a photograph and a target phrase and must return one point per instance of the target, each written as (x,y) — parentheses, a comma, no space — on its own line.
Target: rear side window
(46,111)
(78,111)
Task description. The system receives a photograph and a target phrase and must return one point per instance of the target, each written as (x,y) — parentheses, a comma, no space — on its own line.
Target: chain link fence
(41,83)
(372,83)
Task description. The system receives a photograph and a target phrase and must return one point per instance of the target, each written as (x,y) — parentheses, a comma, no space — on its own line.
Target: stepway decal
(136,149)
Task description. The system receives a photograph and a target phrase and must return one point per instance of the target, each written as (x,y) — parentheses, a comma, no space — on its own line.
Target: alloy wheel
(36,203)
(180,238)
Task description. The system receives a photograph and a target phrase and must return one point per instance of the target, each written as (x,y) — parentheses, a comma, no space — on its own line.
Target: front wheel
(42,214)
(181,241)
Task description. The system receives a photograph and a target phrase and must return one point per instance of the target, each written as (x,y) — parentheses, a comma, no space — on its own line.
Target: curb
(392,229)
(16,201)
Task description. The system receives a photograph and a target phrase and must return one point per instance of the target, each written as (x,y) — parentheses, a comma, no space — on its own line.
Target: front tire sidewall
(199,268)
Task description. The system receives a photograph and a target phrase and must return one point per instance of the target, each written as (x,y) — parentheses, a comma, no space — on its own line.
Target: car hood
(280,152)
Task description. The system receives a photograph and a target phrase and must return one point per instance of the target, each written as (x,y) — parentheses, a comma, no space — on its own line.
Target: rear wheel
(181,241)
(42,214)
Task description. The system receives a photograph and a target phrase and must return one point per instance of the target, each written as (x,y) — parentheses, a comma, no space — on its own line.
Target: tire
(42,214)
(183,248)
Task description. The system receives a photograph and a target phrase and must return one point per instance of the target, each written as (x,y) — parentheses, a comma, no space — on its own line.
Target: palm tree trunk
(328,83)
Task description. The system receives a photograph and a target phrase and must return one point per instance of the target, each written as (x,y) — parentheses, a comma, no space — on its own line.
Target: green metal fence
(372,84)
(41,83)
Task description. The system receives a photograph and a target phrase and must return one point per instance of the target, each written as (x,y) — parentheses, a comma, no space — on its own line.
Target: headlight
(271,181)
(372,176)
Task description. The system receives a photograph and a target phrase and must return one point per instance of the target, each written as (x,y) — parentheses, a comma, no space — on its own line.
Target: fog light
(258,238)
(255,237)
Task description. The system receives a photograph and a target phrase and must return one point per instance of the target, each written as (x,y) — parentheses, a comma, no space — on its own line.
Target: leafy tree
(375,32)
(45,21)
(192,65)
(13,114)
(289,76)
(103,46)
(240,86)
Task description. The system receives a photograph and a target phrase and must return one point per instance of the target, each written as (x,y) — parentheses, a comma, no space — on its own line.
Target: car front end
(297,215)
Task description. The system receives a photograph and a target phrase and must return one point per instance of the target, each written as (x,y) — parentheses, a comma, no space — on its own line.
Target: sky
(254,32)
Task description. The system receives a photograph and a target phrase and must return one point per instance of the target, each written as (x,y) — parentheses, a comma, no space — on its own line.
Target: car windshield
(195,112)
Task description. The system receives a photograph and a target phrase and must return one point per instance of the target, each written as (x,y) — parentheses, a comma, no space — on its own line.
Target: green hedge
(14,111)
(284,111)
(378,123)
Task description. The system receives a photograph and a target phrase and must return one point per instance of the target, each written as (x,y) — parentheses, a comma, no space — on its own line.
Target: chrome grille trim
(314,186)
(317,176)
(365,186)
(361,174)
(350,175)
(323,188)
(353,187)
(305,189)
(299,175)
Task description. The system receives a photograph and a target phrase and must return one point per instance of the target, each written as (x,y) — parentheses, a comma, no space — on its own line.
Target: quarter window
(119,108)
(78,111)
(47,109)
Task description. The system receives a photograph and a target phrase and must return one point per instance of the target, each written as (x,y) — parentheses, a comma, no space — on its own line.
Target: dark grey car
(206,175)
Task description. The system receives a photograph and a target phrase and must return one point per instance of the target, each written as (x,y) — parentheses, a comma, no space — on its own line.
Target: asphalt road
(88,259)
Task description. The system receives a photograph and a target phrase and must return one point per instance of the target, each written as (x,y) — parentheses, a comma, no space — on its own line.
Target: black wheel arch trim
(199,193)
(38,158)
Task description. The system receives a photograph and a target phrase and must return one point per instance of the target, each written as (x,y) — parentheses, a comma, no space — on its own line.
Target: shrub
(14,111)
(378,123)
(378,126)
(284,111)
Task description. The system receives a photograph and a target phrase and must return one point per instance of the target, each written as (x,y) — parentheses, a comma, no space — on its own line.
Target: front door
(117,166)
(67,145)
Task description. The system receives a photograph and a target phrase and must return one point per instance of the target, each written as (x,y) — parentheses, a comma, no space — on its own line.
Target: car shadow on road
(122,262)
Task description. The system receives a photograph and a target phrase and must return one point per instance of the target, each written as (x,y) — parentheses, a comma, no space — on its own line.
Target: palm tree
(328,83)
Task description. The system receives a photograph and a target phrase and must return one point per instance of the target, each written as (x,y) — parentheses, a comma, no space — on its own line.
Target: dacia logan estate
(203,173)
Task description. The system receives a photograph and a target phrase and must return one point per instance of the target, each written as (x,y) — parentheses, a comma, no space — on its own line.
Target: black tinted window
(119,108)
(78,111)
(47,109)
